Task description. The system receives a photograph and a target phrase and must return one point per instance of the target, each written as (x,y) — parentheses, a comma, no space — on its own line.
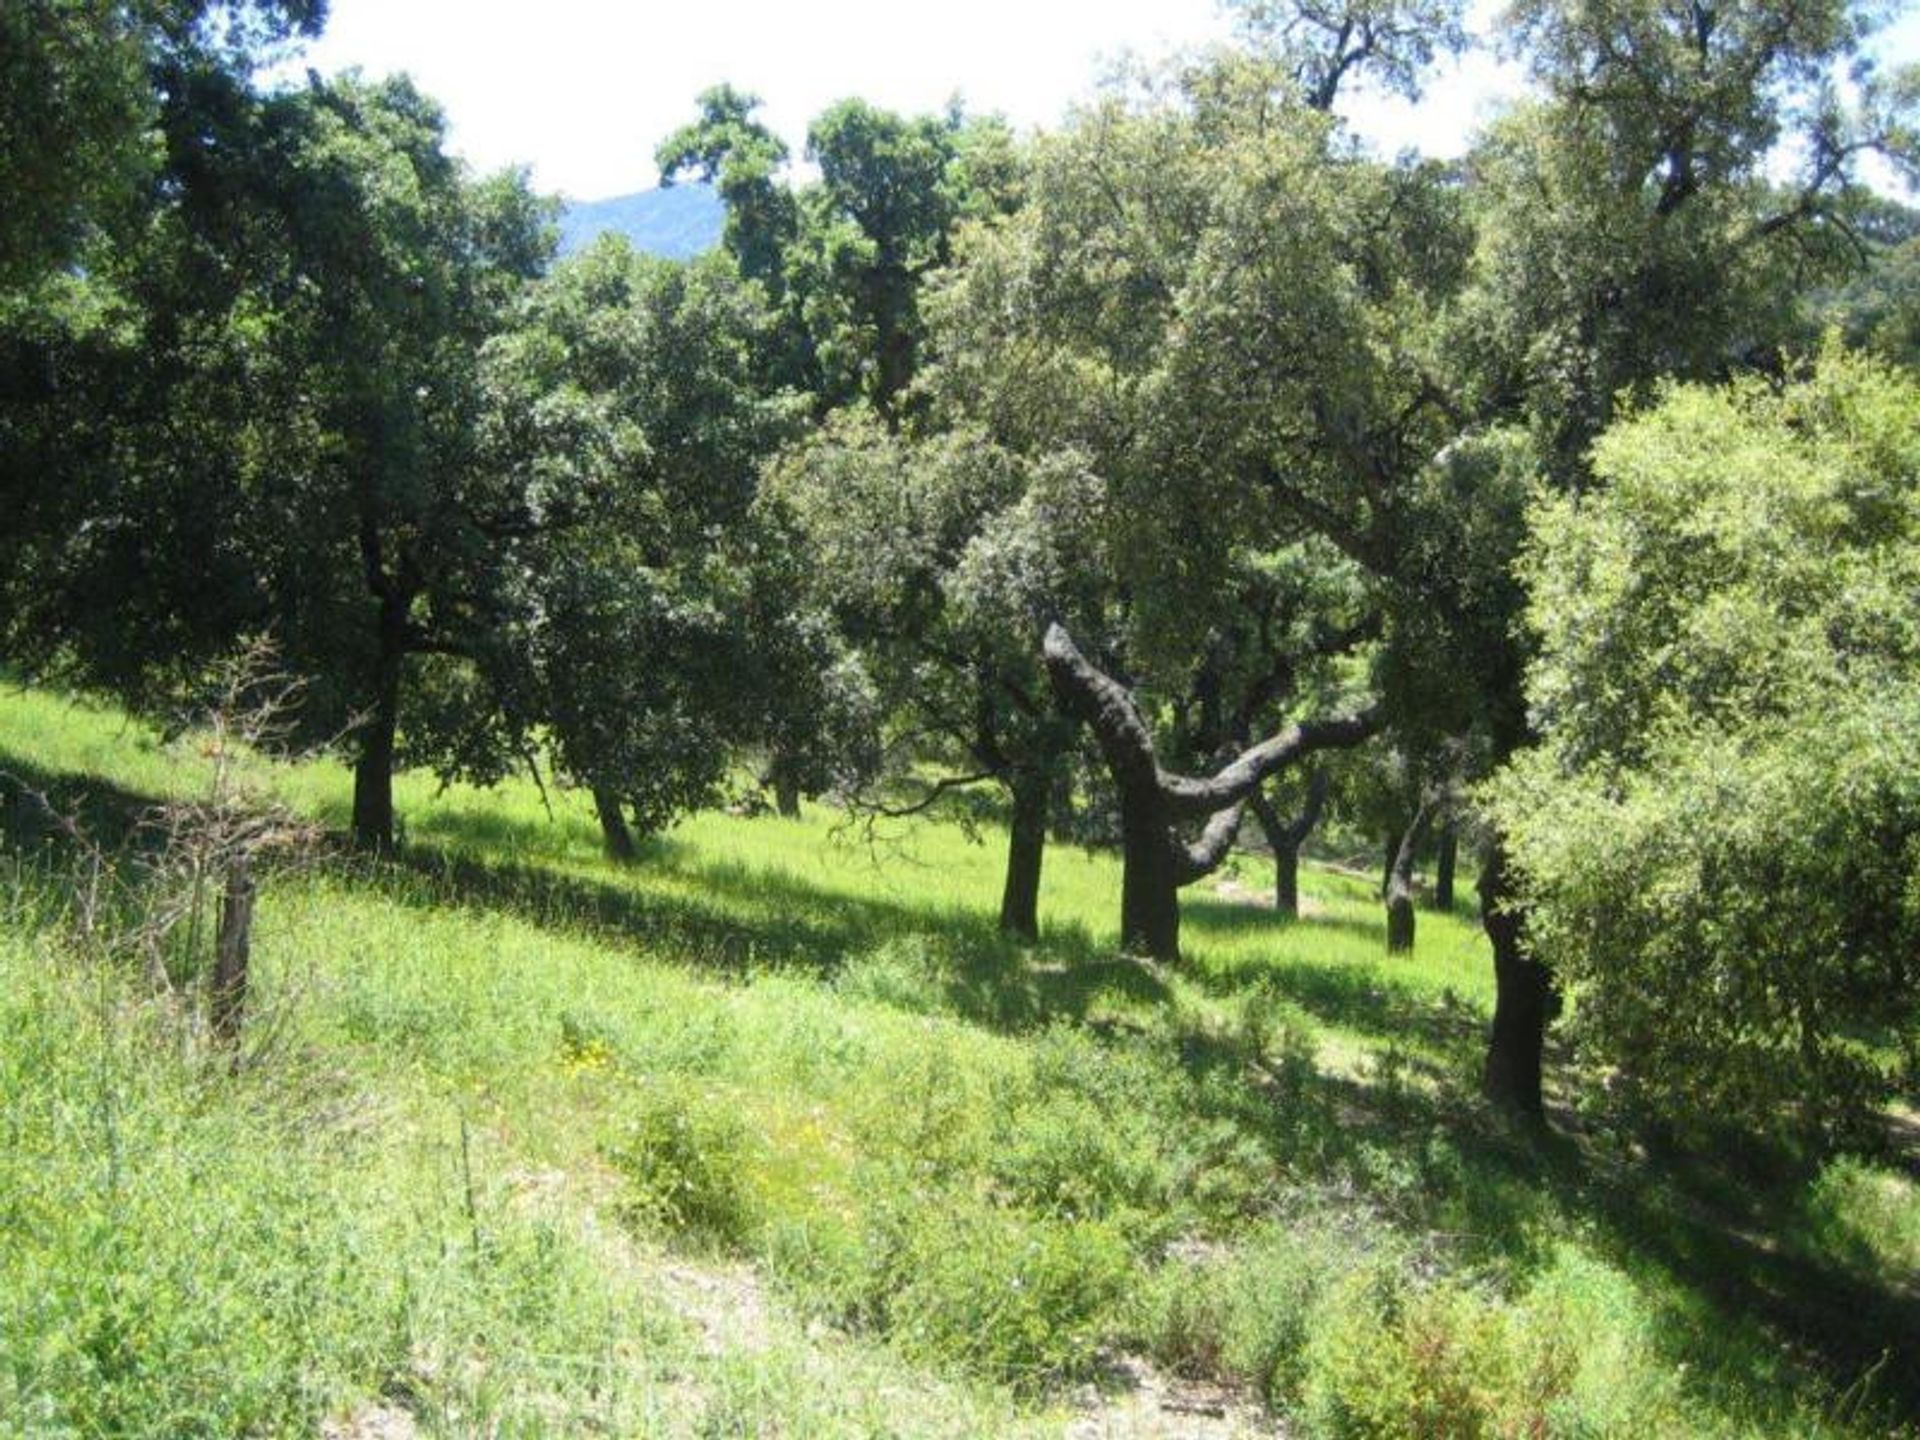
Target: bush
(1017,1300)
(1394,1355)
(684,1157)
(1245,1314)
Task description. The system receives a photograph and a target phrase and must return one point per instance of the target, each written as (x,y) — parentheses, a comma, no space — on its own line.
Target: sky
(583,90)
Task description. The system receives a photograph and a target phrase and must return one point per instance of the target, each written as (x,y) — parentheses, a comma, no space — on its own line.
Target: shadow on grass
(43,811)
(1726,1232)
(731,920)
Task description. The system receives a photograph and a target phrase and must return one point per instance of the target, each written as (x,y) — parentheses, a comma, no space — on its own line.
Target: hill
(677,222)
(770,1132)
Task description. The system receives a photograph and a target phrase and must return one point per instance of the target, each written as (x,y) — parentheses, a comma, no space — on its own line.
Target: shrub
(684,1157)
(1002,1295)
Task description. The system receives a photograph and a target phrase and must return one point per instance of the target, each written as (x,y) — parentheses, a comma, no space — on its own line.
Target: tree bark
(1149,888)
(782,776)
(1026,847)
(1286,881)
(1156,862)
(1389,852)
(1524,999)
(1285,837)
(1400,918)
(373,769)
(1443,866)
(615,835)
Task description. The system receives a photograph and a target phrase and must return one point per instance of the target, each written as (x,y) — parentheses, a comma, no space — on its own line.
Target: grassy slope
(512,1093)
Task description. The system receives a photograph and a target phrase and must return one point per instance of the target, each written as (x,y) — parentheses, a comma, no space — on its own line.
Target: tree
(941,560)
(1154,802)
(1718,835)
(743,160)
(1323,45)
(844,259)
(1196,296)
(1286,834)
(1628,233)
(625,404)
(83,84)
(286,432)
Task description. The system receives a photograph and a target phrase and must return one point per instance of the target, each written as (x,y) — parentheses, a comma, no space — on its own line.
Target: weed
(684,1155)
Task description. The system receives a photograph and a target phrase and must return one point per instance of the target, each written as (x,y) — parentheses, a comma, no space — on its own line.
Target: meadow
(772,1133)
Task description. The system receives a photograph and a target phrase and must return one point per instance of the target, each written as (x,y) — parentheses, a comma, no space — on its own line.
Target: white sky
(583,90)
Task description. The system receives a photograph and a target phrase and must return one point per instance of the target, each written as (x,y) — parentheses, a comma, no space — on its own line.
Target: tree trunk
(1390,850)
(1153,802)
(373,769)
(1523,998)
(1286,880)
(1400,922)
(614,834)
(1026,846)
(232,949)
(1285,837)
(781,775)
(1149,881)
(1443,865)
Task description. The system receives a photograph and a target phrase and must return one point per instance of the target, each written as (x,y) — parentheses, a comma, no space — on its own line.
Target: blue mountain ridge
(677,222)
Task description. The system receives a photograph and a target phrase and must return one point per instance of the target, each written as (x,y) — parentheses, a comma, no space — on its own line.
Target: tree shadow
(1223,919)
(737,922)
(1726,1230)
(43,811)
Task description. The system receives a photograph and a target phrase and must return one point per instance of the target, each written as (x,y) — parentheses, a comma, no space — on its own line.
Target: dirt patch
(371,1422)
(1140,1403)
(1236,892)
(727,1302)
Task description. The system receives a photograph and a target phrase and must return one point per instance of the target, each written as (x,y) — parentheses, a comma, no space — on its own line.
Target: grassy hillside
(771,1133)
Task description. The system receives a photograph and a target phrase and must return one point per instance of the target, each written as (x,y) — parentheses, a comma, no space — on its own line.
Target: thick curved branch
(1190,799)
(1088,694)
(1204,855)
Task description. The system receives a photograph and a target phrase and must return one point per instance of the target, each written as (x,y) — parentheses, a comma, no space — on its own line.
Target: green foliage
(683,1155)
(1249,1312)
(1393,1356)
(1718,834)
(85,85)
(988,1289)
(903,1104)
(624,404)
(1390,43)
(1867,1214)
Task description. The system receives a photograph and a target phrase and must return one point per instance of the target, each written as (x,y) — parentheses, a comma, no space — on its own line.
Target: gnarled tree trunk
(1154,802)
(1400,923)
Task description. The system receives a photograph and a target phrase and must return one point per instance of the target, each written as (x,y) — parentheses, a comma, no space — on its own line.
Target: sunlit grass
(973,1168)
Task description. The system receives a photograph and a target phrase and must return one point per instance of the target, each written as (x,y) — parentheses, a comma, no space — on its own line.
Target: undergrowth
(514,1083)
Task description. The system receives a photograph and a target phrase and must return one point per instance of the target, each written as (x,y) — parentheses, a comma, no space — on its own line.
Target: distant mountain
(678,222)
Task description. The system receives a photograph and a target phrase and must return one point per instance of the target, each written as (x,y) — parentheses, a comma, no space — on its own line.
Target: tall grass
(518,1086)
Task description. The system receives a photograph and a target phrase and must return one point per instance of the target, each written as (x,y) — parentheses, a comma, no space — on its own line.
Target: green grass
(927,1181)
